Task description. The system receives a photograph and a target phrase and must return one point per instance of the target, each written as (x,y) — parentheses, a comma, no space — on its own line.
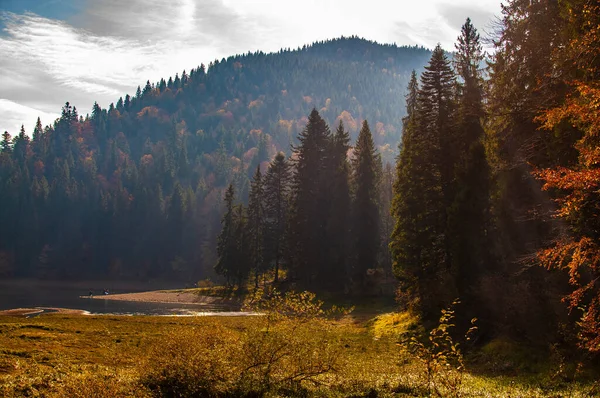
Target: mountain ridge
(98,195)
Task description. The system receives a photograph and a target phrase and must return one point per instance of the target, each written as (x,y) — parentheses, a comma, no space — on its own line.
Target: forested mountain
(492,209)
(136,190)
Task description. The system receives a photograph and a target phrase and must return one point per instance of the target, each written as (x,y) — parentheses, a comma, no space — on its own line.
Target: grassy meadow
(59,355)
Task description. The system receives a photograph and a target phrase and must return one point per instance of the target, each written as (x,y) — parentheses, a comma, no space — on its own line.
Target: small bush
(280,351)
(194,363)
(442,362)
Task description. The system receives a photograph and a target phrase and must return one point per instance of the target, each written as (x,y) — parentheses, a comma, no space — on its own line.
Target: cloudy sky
(52,51)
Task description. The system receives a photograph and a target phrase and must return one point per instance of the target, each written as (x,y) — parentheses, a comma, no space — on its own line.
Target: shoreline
(226,305)
(165,297)
(32,312)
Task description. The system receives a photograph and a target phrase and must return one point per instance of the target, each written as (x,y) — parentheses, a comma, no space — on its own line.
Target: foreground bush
(287,346)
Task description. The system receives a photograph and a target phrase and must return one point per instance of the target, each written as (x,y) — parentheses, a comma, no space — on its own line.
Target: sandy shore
(159,296)
(41,310)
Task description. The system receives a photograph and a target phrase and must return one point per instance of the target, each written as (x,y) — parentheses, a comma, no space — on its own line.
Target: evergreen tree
(365,210)
(38,130)
(147,89)
(386,223)
(276,193)
(310,201)
(242,247)
(436,114)
(20,146)
(417,243)
(339,217)
(468,218)
(5,145)
(226,243)
(127,103)
(256,224)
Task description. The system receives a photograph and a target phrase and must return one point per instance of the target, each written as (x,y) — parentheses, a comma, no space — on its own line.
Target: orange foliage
(147,160)
(581,259)
(257,103)
(578,188)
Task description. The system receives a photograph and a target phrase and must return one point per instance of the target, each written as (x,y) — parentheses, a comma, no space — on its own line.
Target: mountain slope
(135,190)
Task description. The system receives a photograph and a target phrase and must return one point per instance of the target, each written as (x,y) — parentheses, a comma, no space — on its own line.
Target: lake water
(33,294)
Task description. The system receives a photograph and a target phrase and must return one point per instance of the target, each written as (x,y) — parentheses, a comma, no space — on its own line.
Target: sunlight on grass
(393,324)
(110,356)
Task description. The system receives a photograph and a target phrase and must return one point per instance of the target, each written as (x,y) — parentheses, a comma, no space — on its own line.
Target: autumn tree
(576,187)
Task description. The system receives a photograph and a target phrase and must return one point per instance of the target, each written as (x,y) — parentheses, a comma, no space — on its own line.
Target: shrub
(194,363)
(441,359)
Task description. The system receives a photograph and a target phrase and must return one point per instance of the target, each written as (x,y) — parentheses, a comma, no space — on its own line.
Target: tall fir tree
(386,223)
(468,217)
(226,243)
(276,193)
(339,223)
(419,246)
(366,174)
(436,109)
(256,225)
(6,144)
(310,201)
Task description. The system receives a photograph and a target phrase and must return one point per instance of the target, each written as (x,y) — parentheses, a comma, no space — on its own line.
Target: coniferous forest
(136,190)
(470,178)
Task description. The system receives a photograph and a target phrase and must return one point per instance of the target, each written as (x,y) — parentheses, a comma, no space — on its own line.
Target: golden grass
(82,356)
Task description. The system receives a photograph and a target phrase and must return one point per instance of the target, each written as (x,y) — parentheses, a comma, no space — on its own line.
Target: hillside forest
(337,166)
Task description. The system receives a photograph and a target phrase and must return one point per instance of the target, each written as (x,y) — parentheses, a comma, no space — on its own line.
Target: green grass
(56,355)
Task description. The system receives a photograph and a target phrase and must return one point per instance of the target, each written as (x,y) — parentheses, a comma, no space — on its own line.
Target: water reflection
(27,294)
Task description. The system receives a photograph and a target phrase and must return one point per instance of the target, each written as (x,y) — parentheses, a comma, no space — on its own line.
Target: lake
(33,294)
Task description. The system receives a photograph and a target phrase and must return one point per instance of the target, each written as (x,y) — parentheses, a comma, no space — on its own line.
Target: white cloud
(113,45)
(13,115)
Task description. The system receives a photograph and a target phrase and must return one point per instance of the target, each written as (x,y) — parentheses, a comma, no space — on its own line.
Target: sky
(81,51)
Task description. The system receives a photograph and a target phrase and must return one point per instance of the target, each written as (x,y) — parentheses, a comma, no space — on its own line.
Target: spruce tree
(386,223)
(5,145)
(365,210)
(418,246)
(468,219)
(241,250)
(226,244)
(276,193)
(311,201)
(339,218)
(255,226)
(38,130)
(436,107)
